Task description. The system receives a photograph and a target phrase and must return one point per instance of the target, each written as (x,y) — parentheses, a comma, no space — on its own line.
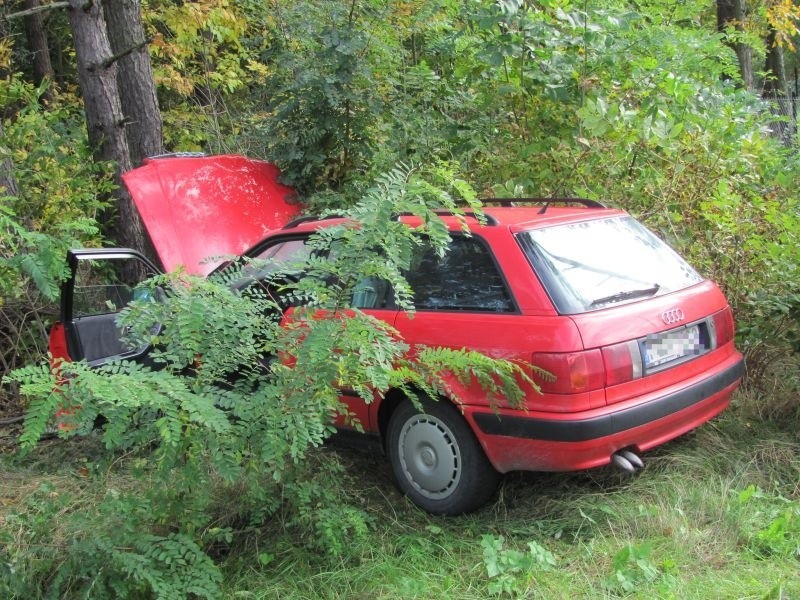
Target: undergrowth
(714,514)
(219,425)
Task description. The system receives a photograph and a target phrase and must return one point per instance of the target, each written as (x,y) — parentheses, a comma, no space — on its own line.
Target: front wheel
(436,460)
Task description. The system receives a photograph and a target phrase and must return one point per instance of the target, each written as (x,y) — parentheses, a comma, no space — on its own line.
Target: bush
(61,192)
(219,428)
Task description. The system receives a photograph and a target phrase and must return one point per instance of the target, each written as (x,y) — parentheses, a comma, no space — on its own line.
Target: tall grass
(682,528)
(714,514)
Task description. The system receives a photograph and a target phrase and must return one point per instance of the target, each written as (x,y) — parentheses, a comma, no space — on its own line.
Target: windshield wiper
(627,295)
(587,267)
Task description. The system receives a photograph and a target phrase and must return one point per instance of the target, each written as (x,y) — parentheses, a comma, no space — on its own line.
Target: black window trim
(542,273)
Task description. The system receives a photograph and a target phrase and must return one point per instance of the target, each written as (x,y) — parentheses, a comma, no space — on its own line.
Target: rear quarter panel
(504,336)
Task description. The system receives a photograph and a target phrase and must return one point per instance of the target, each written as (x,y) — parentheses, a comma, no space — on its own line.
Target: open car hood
(201,209)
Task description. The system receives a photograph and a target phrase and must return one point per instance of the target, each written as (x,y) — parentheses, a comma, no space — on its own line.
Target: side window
(102,285)
(281,256)
(277,255)
(271,258)
(371,292)
(465,279)
(286,251)
(105,286)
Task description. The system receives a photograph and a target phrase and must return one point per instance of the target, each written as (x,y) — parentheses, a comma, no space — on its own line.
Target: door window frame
(75,346)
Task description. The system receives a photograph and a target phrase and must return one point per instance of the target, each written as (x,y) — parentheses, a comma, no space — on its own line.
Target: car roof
(519,218)
(514,218)
(201,209)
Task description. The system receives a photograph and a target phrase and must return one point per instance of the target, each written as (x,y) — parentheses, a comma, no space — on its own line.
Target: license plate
(672,345)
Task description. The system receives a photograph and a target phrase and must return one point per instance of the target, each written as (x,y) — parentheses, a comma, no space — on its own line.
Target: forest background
(682,113)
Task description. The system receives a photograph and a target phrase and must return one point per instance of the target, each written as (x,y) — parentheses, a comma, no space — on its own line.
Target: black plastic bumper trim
(604,425)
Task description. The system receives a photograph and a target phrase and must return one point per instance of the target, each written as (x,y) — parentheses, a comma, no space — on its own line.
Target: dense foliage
(528,99)
(635,104)
(234,402)
(60,197)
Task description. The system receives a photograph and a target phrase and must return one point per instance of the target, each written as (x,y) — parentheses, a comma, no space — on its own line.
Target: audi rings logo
(673,315)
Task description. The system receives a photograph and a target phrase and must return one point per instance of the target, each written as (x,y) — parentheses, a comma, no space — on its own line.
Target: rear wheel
(436,460)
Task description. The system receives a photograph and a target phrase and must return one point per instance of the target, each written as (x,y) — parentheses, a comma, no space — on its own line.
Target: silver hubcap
(429,456)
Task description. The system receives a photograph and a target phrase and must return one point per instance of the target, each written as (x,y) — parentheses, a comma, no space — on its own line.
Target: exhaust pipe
(627,460)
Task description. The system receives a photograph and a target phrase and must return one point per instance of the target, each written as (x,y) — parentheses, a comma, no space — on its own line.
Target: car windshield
(598,263)
(283,254)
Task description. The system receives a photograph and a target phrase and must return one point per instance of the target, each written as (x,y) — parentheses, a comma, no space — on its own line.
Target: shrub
(218,420)
(60,195)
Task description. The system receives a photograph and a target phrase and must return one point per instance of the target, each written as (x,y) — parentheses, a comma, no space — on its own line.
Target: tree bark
(103,110)
(134,78)
(734,12)
(775,83)
(776,90)
(36,36)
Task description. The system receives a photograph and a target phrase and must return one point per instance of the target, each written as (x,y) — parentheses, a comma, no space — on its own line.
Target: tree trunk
(776,90)
(775,83)
(134,78)
(97,73)
(734,13)
(37,43)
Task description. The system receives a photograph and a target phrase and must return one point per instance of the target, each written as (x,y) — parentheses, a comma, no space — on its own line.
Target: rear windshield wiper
(587,267)
(627,295)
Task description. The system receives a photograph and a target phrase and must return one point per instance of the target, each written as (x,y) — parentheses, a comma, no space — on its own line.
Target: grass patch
(713,514)
(678,529)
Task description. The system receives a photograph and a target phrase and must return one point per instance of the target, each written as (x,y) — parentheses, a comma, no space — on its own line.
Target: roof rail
(178,155)
(305,219)
(490,220)
(443,212)
(545,201)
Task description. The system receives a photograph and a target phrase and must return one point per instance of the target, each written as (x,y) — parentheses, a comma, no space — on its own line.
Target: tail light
(576,372)
(722,323)
(623,362)
(570,372)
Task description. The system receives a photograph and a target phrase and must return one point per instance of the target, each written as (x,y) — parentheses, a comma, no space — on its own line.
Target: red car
(639,345)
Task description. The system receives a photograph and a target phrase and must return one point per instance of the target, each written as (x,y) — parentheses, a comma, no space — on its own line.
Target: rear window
(603,262)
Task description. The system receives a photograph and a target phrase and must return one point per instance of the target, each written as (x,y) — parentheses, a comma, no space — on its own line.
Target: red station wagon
(639,345)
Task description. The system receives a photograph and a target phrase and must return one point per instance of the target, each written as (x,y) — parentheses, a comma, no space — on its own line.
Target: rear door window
(466,278)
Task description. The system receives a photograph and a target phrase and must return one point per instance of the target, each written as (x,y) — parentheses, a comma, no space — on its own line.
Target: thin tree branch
(36,10)
(112,59)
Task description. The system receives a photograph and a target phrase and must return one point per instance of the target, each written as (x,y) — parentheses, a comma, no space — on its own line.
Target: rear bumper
(514,440)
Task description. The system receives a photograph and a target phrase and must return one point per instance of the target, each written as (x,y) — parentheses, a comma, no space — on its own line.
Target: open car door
(102,282)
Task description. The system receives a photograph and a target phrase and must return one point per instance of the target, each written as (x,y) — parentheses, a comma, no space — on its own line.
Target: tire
(436,459)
